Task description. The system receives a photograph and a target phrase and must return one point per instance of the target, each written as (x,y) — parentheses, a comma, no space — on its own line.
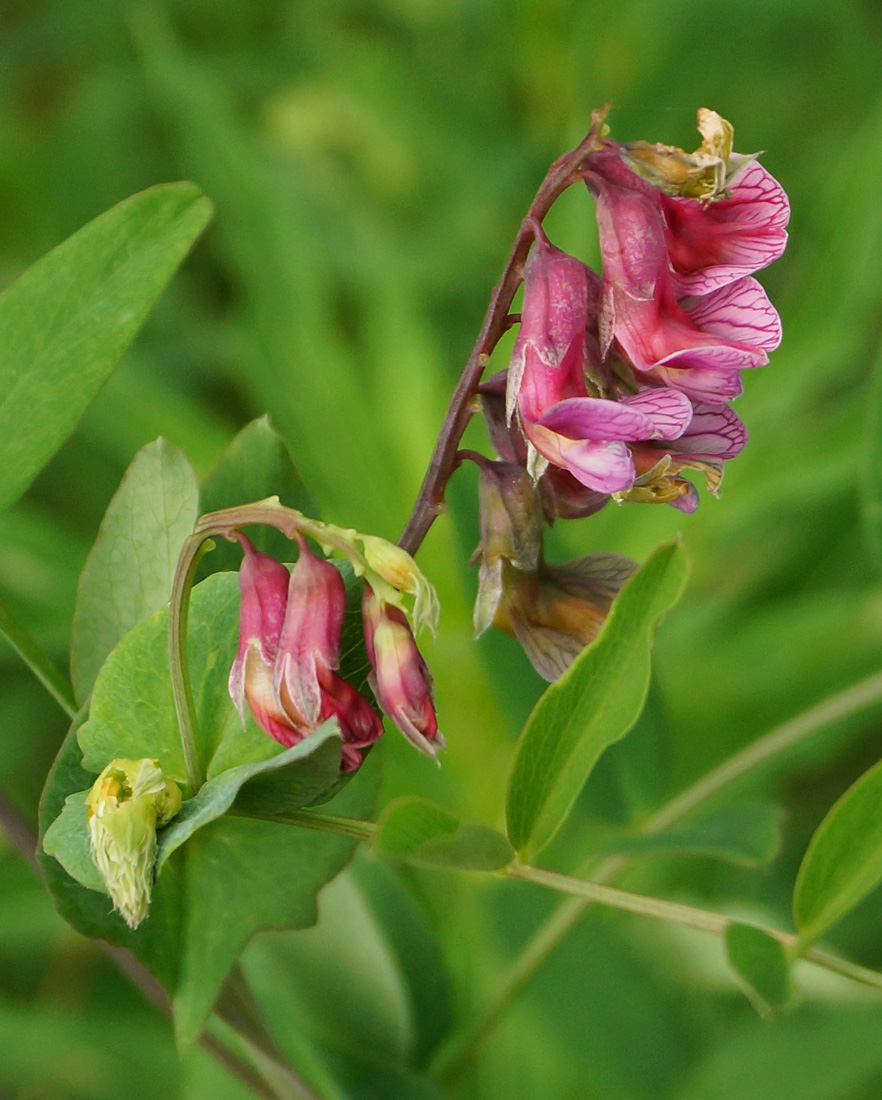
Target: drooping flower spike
(289,646)
(289,643)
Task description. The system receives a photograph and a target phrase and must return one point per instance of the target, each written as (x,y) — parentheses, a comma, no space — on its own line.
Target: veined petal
(713,431)
(713,244)
(708,384)
(722,356)
(740,312)
(669,411)
(597,419)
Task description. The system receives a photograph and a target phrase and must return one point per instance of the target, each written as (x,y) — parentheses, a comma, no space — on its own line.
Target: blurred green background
(370,161)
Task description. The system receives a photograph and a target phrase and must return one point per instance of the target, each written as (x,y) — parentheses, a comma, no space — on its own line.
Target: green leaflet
(843,862)
(594,704)
(66,323)
(130,568)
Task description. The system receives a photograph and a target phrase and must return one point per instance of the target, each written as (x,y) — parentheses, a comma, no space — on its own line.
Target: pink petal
(714,244)
(740,312)
(669,411)
(717,432)
(606,467)
(597,419)
(711,385)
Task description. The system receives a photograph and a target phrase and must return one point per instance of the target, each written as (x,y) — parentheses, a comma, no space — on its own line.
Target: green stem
(790,733)
(55,682)
(555,929)
(687,916)
(178,614)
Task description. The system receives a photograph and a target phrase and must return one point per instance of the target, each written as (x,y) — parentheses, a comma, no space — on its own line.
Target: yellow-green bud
(398,569)
(127,802)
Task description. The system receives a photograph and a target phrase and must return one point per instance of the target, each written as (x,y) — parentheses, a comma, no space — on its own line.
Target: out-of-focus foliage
(370,161)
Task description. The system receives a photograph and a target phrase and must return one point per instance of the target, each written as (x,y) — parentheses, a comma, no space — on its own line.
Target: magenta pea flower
(584,435)
(400,679)
(712,244)
(697,346)
(289,641)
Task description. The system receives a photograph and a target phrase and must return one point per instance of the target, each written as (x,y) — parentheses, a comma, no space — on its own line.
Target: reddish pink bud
(401,680)
(263,582)
(289,645)
(310,639)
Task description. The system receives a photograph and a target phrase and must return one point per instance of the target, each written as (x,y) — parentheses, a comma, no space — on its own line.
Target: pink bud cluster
(289,653)
(619,382)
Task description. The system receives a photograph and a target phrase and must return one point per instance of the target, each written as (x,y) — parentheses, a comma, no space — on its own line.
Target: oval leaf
(302,773)
(413,831)
(760,961)
(844,858)
(65,324)
(594,703)
(129,571)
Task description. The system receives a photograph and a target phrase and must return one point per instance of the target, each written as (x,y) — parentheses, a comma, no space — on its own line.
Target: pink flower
(289,641)
(697,346)
(586,436)
(711,244)
(400,680)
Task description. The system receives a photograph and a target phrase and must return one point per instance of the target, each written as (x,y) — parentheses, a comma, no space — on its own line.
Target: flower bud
(400,680)
(397,568)
(289,643)
(126,804)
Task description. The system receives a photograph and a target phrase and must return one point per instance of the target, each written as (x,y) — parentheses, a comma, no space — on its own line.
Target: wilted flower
(553,610)
(289,645)
(126,804)
(400,678)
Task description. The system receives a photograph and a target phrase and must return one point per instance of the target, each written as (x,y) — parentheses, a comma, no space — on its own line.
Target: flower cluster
(289,653)
(619,382)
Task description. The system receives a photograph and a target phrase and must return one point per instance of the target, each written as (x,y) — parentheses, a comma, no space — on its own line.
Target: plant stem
(853,699)
(55,682)
(238,1009)
(687,916)
(555,929)
(179,665)
(430,502)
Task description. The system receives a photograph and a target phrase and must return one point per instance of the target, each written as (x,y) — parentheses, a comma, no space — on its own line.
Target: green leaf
(594,703)
(67,838)
(413,831)
(255,465)
(843,862)
(65,324)
(748,834)
(129,571)
(761,962)
(294,786)
(256,874)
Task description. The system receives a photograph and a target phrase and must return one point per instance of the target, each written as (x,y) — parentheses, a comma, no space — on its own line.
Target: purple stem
(430,501)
